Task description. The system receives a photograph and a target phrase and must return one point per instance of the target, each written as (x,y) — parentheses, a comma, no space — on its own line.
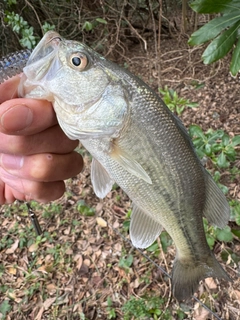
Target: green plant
(217,177)
(235,214)
(110,309)
(216,145)
(126,262)
(145,308)
(214,234)
(21,27)
(174,102)
(89,26)
(85,209)
(4,308)
(222,30)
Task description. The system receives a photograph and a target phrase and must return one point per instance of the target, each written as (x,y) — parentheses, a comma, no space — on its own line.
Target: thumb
(26,116)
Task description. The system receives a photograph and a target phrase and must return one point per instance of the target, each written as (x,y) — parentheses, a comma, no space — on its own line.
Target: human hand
(35,154)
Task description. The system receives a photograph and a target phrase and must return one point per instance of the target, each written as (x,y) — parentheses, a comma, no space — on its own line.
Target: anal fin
(143,229)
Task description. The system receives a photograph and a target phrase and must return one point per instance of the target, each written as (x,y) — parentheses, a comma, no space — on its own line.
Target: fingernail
(11,162)
(17,118)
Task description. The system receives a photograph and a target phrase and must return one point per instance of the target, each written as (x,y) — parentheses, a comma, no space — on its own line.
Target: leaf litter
(80,268)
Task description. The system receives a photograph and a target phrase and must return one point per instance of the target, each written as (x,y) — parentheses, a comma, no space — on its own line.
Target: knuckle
(19,145)
(42,167)
(49,191)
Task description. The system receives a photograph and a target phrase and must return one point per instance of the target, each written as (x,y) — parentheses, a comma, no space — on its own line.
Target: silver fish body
(136,142)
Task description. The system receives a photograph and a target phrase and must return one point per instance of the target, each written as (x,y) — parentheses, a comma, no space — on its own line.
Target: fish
(138,143)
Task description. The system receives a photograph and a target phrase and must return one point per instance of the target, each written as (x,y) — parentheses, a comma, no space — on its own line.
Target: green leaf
(233,5)
(216,147)
(153,247)
(235,62)
(192,104)
(210,241)
(217,176)
(222,161)
(237,219)
(5,307)
(126,262)
(213,28)
(223,188)
(225,140)
(235,141)
(209,6)
(101,20)
(88,26)
(230,153)
(166,241)
(196,131)
(224,234)
(208,149)
(236,232)
(220,46)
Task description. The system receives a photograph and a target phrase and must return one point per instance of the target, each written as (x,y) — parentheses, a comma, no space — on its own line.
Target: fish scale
(136,142)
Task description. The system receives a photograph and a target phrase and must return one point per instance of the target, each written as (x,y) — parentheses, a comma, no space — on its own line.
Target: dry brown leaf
(69,251)
(33,247)
(51,287)
(116,224)
(40,313)
(211,283)
(67,230)
(87,262)
(13,247)
(47,303)
(79,260)
(42,269)
(101,222)
(99,207)
(201,314)
(12,270)
(237,294)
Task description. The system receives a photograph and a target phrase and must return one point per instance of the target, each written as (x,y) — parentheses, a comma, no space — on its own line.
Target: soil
(90,274)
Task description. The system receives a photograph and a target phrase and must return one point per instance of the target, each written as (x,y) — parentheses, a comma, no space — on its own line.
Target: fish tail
(186,276)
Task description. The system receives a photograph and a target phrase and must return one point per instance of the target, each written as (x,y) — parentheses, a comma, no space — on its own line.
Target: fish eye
(79,61)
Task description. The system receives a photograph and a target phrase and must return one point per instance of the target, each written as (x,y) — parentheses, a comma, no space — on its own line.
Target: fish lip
(54,38)
(43,56)
(46,48)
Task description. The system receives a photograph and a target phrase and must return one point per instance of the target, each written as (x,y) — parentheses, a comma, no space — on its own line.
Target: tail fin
(186,276)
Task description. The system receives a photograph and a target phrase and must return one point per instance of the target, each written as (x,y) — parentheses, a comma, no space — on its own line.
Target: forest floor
(81,267)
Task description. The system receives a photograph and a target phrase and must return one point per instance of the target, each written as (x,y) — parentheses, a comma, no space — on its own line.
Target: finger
(43,167)
(9,88)
(52,140)
(26,116)
(29,190)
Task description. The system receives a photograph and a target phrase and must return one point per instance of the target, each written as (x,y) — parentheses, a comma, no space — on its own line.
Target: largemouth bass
(136,142)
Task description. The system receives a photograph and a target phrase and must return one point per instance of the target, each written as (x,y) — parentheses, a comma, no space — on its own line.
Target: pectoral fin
(129,164)
(216,209)
(101,181)
(143,229)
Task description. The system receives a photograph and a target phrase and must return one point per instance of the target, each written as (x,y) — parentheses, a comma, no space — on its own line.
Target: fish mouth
(46,47)
(43,62)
